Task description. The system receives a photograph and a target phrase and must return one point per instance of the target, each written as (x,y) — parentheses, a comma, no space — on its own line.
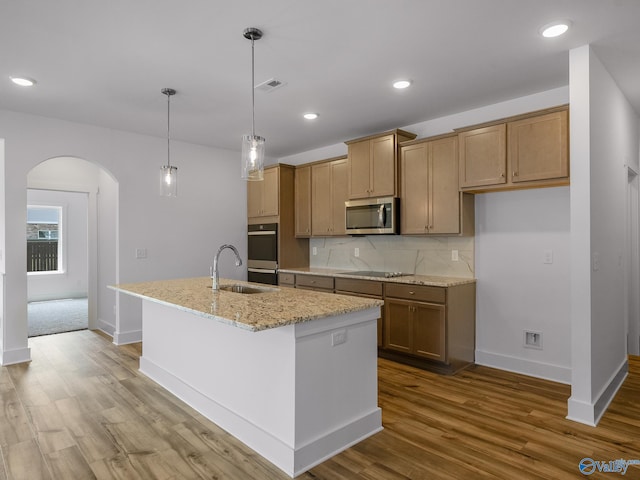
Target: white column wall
(604,139)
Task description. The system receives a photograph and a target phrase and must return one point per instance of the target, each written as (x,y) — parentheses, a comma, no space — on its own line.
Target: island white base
(296,394)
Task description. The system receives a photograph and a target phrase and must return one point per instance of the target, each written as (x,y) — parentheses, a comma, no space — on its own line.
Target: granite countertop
(429,280)
(276,307)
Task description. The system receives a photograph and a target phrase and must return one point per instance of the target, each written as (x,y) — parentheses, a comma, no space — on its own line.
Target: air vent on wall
(270,85)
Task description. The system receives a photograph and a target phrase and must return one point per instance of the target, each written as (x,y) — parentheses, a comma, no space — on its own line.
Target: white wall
(499,317)
(604,131)
(516,290)
(181,235)
(73,280)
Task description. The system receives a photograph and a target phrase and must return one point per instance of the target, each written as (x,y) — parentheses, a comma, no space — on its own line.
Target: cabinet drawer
(286,279)
(420,293)
(314,281)
(365,287)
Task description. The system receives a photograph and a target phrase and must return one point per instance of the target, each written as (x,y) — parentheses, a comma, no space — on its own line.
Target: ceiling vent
(270,85)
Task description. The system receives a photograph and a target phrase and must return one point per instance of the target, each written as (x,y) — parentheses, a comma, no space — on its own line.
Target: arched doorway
(81,177)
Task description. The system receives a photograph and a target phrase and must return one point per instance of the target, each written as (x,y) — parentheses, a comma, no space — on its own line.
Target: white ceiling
(104,62)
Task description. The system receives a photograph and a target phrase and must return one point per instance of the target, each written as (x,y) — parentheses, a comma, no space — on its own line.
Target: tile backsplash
(395,253)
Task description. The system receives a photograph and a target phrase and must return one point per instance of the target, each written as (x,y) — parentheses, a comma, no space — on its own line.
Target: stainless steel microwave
(372,216)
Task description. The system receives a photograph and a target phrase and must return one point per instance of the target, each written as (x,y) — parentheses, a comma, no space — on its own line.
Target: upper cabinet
(302,200)
(328,194)
(372,164)
(430,202)
(527,151)
(263,195)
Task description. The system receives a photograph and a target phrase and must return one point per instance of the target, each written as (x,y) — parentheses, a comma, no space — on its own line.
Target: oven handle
(261,270)
(263,232)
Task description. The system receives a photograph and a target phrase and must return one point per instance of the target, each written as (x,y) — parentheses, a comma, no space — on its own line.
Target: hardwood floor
(81,410)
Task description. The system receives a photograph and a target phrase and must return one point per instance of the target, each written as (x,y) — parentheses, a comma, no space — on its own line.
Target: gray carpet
(57,316)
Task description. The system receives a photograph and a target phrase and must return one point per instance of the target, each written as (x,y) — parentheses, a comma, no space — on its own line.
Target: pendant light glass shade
(252,145)
(168,173)
(168,181)
(252,157)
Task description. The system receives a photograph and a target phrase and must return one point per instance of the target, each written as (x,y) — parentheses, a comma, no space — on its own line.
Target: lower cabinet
(315,282)
(429,327)
(416,328)
(420,325)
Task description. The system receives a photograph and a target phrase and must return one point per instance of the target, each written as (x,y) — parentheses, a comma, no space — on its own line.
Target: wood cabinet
(262,196)
(328,194)
(526,151)
(430,202)
(271,200)
(362,288)
(483,157)
(302,200)
(429,327)
(416,328)
(372,164)
(315,282)
(539,147)
(286,279)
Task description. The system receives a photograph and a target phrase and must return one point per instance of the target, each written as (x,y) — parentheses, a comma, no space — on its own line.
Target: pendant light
(168,173)
(252,145)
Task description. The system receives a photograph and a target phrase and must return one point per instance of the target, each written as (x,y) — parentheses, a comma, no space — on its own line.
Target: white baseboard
(590,413)
(106,327)
(546,371)
(123,338)
(18,355)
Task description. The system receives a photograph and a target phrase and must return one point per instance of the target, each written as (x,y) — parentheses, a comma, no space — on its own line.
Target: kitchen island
(291,373)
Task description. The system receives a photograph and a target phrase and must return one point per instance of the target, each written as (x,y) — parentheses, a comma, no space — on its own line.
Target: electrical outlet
(547,257)
(596,261)
(454,255)
(338,338)
(356,252)
(532,339)
(314,251)
(141,253)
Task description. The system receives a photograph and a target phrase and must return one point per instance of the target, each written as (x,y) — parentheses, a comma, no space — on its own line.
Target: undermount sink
(237,288)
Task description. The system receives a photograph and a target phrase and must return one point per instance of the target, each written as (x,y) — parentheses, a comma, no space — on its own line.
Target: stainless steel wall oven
(262,261)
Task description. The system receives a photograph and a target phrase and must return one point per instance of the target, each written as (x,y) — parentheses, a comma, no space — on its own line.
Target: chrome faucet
(214,274)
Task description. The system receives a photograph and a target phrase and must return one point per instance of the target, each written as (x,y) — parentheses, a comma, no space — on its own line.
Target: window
(44,239)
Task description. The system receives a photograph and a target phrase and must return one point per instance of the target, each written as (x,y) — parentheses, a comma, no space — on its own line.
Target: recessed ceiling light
(310,116)
(23,81)
(400,84)
(555,29)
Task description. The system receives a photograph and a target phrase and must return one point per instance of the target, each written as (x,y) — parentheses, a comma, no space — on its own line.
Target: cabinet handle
(412,293)
(514,174)
(313,281)
(502,175)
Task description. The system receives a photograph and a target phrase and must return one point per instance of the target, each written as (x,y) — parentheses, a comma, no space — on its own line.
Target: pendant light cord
(168,129)
(253,91)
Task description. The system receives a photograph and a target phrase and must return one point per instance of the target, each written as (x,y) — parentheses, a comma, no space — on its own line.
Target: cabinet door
(482,156)
(538,147)
(321,206)
(254,198)
(359,169)
(270,190)
(444,196)
(339,195)
(383,167)
(429,331)
(398,331)
(302,203)
(413,189)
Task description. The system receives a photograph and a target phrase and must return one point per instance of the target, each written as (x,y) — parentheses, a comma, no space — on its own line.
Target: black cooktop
(372,273)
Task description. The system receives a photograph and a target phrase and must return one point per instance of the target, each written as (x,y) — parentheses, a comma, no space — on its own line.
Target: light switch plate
(454,256)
